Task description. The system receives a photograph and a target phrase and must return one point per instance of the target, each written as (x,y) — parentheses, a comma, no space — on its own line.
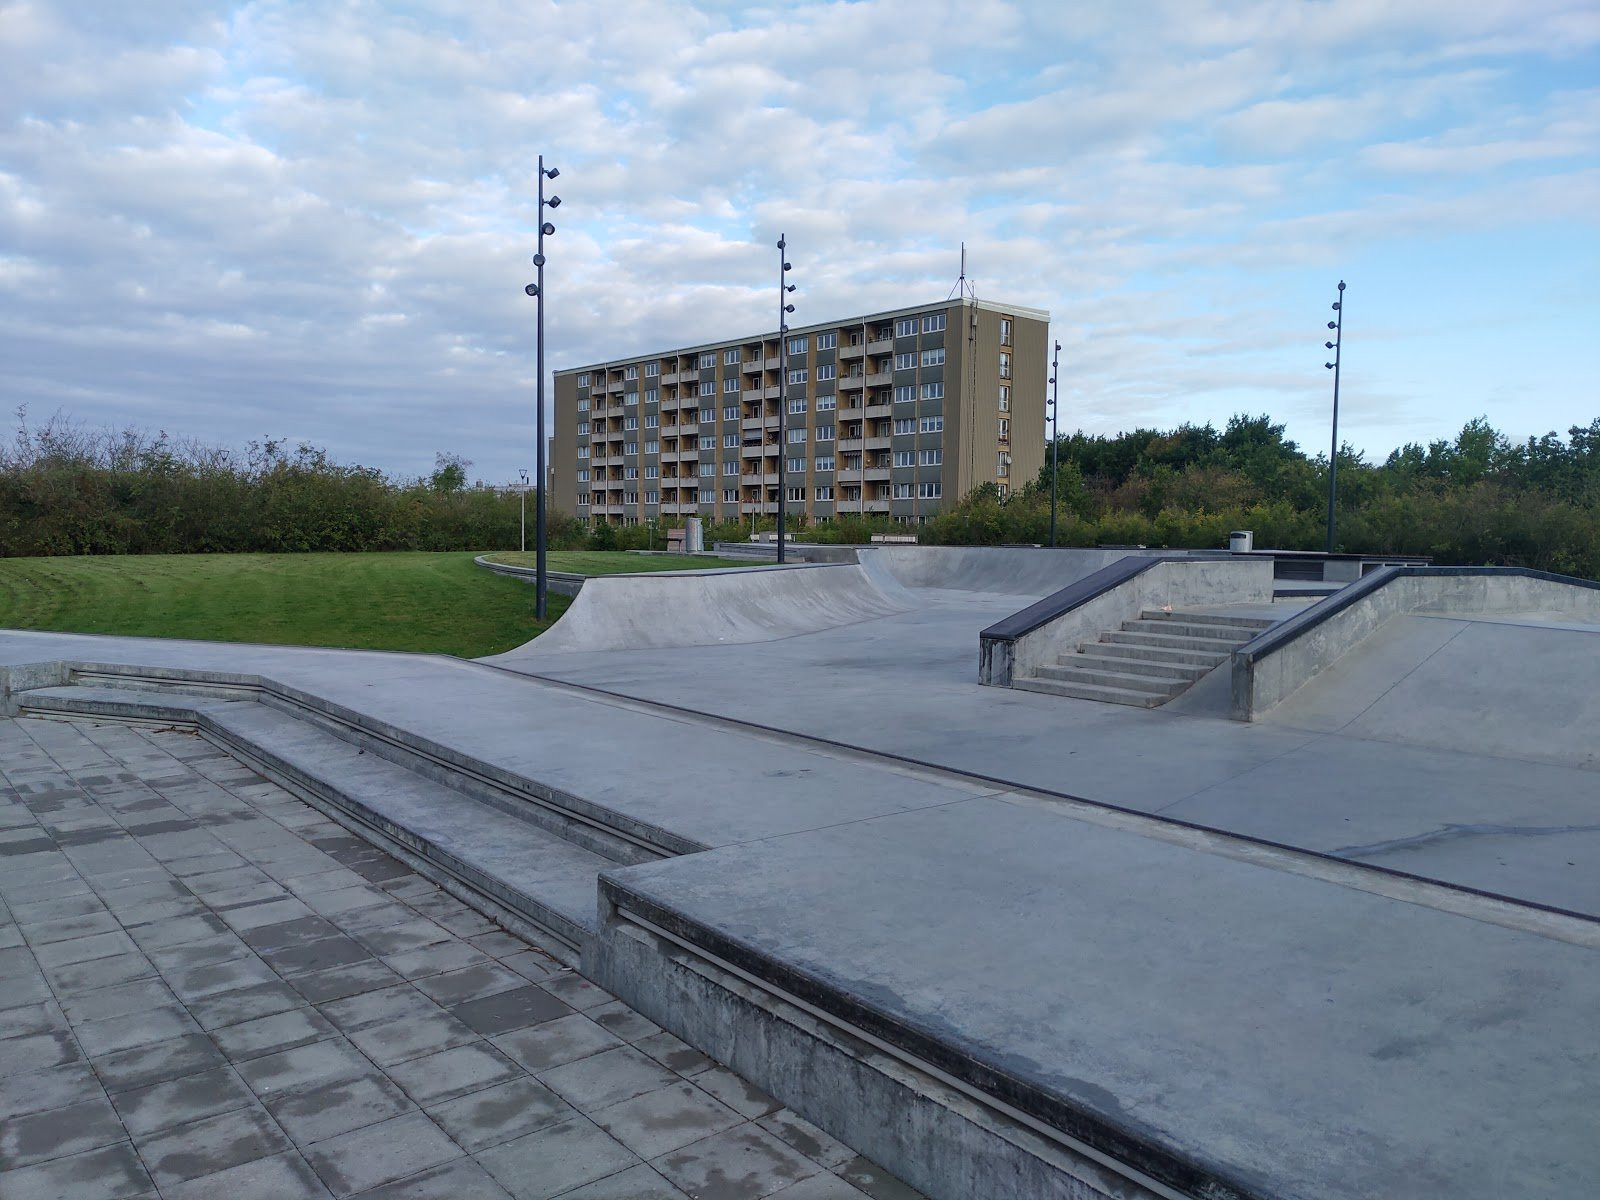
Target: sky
(313,221)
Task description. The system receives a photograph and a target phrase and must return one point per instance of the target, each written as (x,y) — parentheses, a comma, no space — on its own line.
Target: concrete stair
(529,856)
(1149,660)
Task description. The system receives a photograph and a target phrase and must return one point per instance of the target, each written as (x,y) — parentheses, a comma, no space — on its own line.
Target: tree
(449,472)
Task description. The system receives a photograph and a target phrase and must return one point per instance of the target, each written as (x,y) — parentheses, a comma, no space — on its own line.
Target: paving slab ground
(207,990)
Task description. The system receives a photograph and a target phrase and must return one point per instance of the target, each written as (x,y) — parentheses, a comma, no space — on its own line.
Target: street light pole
(541,472)
(1337,325)
(784,308)
(524,506)
(1055,437)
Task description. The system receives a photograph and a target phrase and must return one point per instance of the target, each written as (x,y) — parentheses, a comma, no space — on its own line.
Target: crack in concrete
(1454,832)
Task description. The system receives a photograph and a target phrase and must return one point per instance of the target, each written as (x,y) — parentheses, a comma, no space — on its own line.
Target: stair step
(1158,654)
(1090,691)
(1170,641)
(1126,680)
(1254,624)
(1156,669)
(1233,634)
(540,877)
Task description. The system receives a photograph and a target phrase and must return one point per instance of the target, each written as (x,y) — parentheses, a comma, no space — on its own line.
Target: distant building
(894,413)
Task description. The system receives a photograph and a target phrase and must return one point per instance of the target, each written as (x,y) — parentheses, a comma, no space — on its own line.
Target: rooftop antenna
(964,287)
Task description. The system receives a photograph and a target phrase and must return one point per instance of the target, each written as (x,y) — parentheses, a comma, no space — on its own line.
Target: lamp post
(784,308)
(536,290)
(1337,325)
(524,506)
(1055,438)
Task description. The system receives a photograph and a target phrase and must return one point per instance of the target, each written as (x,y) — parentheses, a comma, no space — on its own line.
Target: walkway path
(209,990)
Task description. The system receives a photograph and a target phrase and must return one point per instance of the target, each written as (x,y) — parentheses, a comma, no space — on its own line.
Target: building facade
(891,414)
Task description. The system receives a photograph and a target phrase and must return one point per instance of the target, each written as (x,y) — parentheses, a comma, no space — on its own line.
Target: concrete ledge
(568,583)
(1027,640)
(1268,669)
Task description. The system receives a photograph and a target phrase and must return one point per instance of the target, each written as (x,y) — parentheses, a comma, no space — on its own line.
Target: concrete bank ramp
(1527,689)
(1002,570)
(713,608)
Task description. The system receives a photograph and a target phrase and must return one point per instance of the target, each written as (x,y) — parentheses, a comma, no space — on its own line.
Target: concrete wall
(1325,632)
(1003,570)
(1171,583)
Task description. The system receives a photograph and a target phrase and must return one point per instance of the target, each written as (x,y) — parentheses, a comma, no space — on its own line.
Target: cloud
(235,219)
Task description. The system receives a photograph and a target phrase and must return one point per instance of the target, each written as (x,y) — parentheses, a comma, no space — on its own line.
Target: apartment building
(893,413)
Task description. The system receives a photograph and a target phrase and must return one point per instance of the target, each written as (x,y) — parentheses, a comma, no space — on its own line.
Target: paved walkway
(207,990)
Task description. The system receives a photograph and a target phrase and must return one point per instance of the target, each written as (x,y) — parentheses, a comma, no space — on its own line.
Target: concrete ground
(207,990)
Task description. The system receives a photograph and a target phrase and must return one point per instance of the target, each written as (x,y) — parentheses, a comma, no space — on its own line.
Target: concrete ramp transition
(712,608)
(998,570)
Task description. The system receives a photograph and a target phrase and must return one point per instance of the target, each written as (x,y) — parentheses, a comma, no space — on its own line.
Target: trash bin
(1241,541)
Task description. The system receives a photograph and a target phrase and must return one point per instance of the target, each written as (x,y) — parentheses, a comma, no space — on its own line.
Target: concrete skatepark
(1010,943)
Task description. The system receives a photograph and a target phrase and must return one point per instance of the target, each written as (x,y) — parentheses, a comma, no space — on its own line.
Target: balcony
(669,377)
(753,423)
(879,411)
(877,506)
(880,379)
(877,474)
(880,442)
(881,346)
(855,351)
(750,451)
(753,366)
(770,392)
(758,506)
(847,445)
(851,382)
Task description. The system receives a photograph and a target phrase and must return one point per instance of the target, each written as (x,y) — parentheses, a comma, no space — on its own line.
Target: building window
(691,416)
(731,467)
(630,472)
(730,412)
(797,404)
(825,463)
(826,403)
(707,468)
(708,441)
(905,362)
(631,372)
(583,499)
(652,447)
(708,495)
(1005,365)
(906,327)
(652,497)
(798,345)
(652,369)
(583,380)
(933,323)
(796,466)
(797,437)
(731,384)
(796,495)
(902,491)
(730,495)
(730,358)
(933,391)
(930,458)
(652,420)
(933,358)
(583,452)
(824,433)
(730,441)
(1005,430)
(1002,465)
(583,428)
(1005,397)
(708,387)
(905,393)
(652,471)
(826,371)
(630,447)
(583,404)
(583,475)
(929,491)
(798,376)
(827,341)
(932,425)
(707,361)
(905,458)
(825,492)
(630,422)
(905,425)
(1005,331)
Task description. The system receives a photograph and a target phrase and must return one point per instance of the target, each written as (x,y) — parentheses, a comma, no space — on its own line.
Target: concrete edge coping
(579,580)
(669,844)
(1304,622)
(1141,1149)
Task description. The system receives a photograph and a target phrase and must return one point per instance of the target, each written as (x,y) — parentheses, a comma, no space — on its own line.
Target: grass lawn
(438,603)
(619,562)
